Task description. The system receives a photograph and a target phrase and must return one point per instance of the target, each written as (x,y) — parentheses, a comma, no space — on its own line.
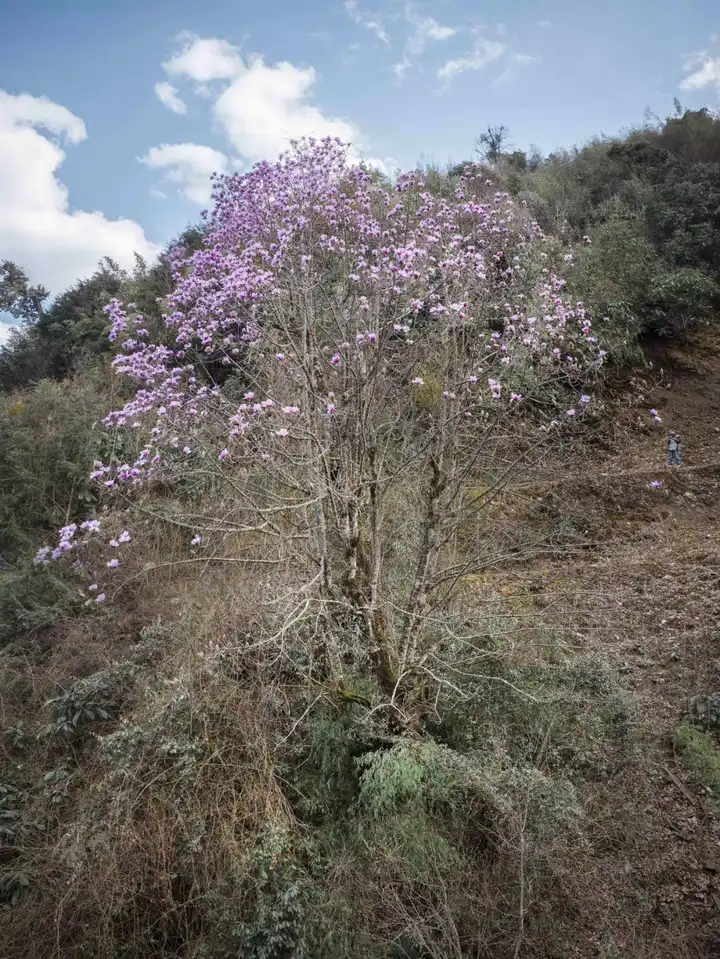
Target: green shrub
(88,701)
(680,299)
(700,754)
(34,599)
(275,927)
(49,437)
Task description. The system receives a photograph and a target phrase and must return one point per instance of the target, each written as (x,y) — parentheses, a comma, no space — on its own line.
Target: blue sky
(130,104)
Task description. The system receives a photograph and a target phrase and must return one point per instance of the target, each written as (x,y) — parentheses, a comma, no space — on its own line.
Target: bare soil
(643,591)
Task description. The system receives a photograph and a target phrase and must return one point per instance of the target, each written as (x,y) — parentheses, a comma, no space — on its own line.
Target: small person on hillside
(674,449)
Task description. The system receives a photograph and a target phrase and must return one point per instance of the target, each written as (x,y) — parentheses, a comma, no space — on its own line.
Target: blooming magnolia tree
(384,349)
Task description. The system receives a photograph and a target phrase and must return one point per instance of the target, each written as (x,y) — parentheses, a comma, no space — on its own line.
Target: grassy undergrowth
(699,752)
(182,800)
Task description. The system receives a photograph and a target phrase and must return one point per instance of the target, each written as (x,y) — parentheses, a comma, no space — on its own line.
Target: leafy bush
(275,927)
(680,299)
(34,599)
(88,701)
(47,447)
(700,754)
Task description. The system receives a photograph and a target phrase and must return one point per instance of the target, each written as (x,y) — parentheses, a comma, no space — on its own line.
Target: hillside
(643,593)
(629,610)
(348,606)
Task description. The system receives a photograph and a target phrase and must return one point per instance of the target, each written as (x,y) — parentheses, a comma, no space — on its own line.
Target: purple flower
(113,564)
(259,249)
(585,399)
(93,587)
(196,540)
(100,598)
(124,537)
(571,412)
(653,412)
(655,484)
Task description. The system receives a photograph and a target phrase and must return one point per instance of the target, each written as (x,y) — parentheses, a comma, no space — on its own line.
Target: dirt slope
(644,593)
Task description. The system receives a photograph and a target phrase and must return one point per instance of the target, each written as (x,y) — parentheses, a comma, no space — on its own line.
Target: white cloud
(484,53)
(705,73)
(38,229)
(206,59)
(190,165)
(263,107)
(424,29)
(267,106)
(24,111)
(259,108)
(543,23)
(167,95)
(372,22)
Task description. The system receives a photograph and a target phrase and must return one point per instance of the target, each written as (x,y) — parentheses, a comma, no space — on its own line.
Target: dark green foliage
(62,338)
(275,927)
(33,599)
(17,297)
(72,332)
(699,752)
(680,299)
(13,887)
(10,819)
(49,437)
(85,703)
(650,202)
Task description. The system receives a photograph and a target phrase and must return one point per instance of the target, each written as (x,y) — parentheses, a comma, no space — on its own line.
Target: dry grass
(224,801)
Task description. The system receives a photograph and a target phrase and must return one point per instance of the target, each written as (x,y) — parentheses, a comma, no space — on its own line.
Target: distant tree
(489,145)
(17,296)
(70,333)
(534,157)
(517,160)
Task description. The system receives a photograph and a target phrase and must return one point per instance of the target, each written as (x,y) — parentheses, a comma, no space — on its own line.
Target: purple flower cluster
(334,295)
(394,256)
(80,542)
